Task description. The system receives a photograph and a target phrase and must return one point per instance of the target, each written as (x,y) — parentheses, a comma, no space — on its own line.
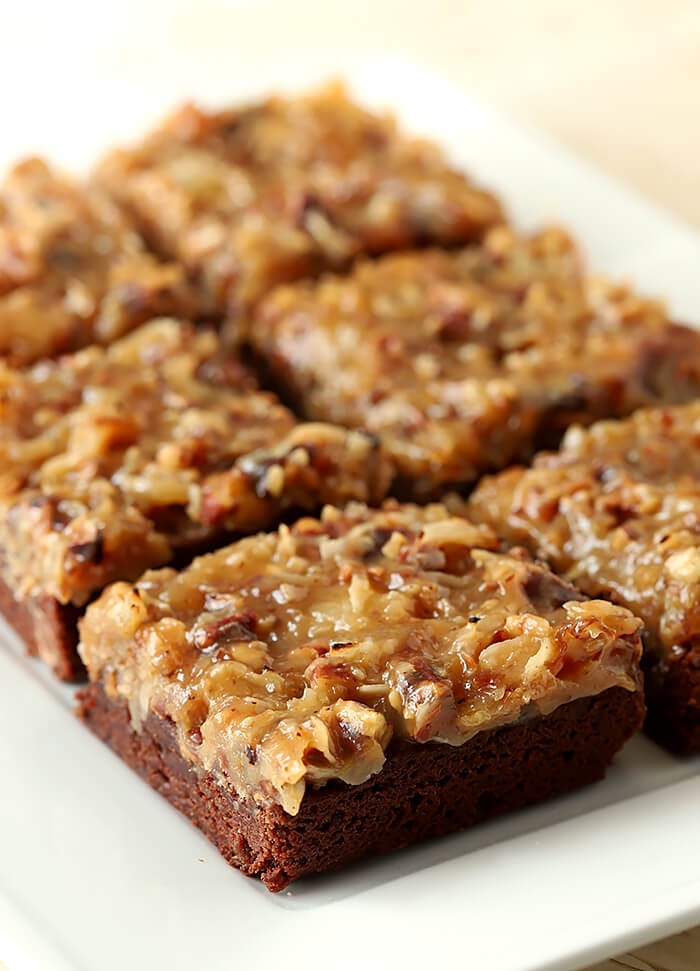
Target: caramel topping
(284,188)
(292,658)
(73,270)
(113,458)
(617,510)
(463,361)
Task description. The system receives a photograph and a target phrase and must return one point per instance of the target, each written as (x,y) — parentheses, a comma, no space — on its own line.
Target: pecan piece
(212,630)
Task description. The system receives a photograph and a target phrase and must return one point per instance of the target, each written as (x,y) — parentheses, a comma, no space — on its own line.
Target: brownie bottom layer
(673,697)
(423,791)
(49,630)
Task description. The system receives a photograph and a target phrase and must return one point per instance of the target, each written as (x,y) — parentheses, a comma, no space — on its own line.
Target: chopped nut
(274,480)
(90,552)
(211,629)
(685,566)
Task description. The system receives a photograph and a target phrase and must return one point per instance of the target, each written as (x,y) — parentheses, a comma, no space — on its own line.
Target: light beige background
(618,80)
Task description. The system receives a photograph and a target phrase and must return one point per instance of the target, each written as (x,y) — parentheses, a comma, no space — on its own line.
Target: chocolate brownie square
(73,269)
(463,362)
(288,187)
(617,512)
(121,458)
(354,683)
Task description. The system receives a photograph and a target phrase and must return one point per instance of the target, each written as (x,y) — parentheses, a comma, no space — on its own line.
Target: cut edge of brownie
(673,702)
(422,792)
(49,630)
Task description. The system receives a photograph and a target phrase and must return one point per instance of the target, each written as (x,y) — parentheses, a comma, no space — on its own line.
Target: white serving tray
(98,873)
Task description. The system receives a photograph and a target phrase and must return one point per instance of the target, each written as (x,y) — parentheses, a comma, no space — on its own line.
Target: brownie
(299,692)
(121,458)
(617,512)
(73,269)
(463,362)
(48,628)
(423,792)
(285,188)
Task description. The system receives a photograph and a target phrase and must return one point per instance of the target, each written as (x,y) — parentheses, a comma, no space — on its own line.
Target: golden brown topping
(312,459)
(286,188)
(113,458)
(73,271)
(292,658)
(617,510)
(464,361)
